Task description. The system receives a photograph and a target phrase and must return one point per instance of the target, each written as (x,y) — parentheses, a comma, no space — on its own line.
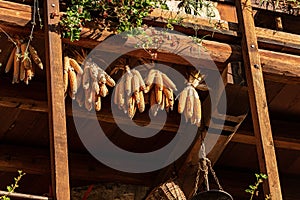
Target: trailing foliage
(253,189)
(122,15)
(116,15)
(11,188)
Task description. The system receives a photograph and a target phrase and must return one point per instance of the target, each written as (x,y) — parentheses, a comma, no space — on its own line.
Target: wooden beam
(258,100)
(279,142)
(83,167)
(56,103)
(103,115)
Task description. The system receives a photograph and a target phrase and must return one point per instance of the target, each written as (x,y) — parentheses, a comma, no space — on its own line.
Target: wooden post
(56,103)
(258,101)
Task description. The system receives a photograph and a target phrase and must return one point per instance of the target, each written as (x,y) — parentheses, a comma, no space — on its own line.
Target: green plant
(11,188)
(253,189)
(116,15)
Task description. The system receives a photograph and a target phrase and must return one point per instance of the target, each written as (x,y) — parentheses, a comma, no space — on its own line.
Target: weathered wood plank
(83,167)
(258,102)
(279,142)
(56,104)
(103,116)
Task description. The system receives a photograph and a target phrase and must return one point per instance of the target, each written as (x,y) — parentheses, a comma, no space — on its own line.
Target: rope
(206,166)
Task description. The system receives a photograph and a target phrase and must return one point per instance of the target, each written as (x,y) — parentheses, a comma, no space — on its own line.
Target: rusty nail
(53,5)
(252,46)
(256,66)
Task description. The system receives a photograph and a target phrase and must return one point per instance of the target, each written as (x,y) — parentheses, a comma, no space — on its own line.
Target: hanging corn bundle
(93,80)
(72,76)
(161,88)
(188,100)
(20,60)
(129,95)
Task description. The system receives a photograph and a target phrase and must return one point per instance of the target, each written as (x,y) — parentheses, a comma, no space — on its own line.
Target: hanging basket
(167,191)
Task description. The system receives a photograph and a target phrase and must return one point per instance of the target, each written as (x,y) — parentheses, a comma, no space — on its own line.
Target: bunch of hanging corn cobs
(161,88)
(93,81)
(20,61)
(129,95)
(190,105)
(89,85)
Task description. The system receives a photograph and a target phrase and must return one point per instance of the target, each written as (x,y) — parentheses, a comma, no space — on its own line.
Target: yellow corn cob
(71,94)
(22,71)
(35,57)
(29,74)
(103,90)
(87,103)
(153,105)
(86,78)
(16,66)
(101,77)
(94,71)
(76,66)
(135,84)
(168,82)
(131,107)
(96,87)
(10,60)
(116,92)
(141,104)
(158,94)
(167,105)
(169,97)
(182,100)
(80,97)
(73,81)
(121,93)
(128,84)
(141,81)
(197,109)
(22,62)
(162,105)
(66,81)
(79,80)
(190,103)
(88,95)
(98,103)
(159,80)
(150,77)
(109,81)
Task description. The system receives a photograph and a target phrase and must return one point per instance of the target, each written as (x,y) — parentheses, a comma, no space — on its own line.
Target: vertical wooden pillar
(56,103)
(258,101)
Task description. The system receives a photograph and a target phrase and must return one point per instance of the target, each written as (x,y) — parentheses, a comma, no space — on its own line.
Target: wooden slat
(14,13)
(279,142)
(56,103)
(103,116)
(258,101)
(83,167)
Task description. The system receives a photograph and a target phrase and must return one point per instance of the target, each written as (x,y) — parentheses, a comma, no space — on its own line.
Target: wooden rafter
(258,102)
(56,104)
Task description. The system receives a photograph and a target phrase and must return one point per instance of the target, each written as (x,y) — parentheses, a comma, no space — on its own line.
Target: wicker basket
(167,191)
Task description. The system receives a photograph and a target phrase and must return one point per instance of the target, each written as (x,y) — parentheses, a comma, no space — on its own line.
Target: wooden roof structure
(261,127)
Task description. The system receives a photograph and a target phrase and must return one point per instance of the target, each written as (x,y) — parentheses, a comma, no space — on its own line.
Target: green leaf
(249,191)
(9,188)
(252,187)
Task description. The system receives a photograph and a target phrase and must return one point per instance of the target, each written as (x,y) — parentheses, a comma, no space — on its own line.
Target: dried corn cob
(10,60)
(182,100)
(103,90)
(98,103)
(141,103)
(76,66)
(128,94)
(73,82)
(190,103)
(16,65)
(35,57)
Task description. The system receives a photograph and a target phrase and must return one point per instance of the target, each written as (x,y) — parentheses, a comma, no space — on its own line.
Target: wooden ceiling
(24,130)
